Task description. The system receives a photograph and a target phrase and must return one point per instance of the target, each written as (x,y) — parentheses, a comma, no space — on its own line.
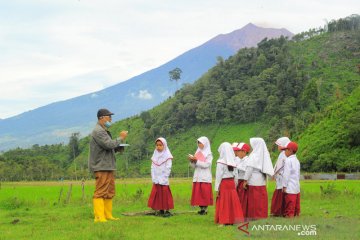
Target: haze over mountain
(55,122)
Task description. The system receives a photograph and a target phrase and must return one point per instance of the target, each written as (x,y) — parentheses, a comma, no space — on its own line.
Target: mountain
(55,122)
(307,89)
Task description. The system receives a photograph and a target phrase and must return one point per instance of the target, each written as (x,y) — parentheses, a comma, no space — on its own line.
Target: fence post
(83,189)
(69,194)
(61,191)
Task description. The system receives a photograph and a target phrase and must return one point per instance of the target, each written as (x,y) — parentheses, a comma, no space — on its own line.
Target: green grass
(30,210)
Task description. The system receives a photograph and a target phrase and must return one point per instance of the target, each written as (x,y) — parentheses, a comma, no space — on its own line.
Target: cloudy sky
(52,50)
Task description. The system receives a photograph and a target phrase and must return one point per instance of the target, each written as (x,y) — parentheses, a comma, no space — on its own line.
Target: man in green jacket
(102,164)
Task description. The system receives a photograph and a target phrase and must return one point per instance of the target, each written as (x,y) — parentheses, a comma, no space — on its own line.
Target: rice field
(63,210)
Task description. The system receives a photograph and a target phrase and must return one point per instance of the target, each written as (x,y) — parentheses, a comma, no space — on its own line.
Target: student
(241,150)
(291,181)
(259,165)
(277,201)
(202,190)
(161,198)
(228,208)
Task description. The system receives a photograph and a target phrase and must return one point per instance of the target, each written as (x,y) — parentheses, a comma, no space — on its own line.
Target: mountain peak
(54,126)
(249,36)
(250,25)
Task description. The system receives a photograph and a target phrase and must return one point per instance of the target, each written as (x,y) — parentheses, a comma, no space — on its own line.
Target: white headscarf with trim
(227,155)
(159,158)
(259,158)
(206,151)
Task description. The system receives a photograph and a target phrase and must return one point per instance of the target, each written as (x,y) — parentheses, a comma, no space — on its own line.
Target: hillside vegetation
(306,88)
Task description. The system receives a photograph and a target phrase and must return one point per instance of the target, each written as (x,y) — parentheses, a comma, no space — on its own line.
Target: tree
(175,75)
(147,119)
(74,149)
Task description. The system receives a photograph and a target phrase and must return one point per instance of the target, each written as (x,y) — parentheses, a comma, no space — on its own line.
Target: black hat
(103,112)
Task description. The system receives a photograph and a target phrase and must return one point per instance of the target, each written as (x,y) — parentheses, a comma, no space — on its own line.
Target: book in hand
(200,157)
(121,147)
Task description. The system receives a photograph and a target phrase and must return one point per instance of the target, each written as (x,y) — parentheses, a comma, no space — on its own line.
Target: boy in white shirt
(277,201)
(241,150)
(291,181)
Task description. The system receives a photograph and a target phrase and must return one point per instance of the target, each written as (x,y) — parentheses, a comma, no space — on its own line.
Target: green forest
(306,88)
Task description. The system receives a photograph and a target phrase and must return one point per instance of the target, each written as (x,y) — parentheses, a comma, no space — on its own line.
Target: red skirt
(257,202)
(292,205)
(161,198)
(201,194)
(228,208)
(277,203)
(243,196)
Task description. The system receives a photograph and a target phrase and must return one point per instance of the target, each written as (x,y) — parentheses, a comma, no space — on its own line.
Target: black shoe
(167,214)
(159,213)
(202,212)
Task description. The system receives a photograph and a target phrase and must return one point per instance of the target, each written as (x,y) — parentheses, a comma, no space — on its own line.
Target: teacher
(102,164)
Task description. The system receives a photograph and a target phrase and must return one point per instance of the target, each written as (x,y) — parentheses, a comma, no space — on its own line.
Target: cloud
(56,50)
(144,94)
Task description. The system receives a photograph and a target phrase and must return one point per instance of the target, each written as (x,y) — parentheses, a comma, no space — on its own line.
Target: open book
(123,145)
(200,157)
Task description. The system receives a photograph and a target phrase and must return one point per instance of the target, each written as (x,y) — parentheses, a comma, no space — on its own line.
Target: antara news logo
(302,230)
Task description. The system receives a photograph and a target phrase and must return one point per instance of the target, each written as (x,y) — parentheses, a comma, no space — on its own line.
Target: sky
(53,50)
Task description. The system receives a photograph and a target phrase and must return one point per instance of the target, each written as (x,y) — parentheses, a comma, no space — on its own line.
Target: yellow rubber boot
(99,211)
(108,210)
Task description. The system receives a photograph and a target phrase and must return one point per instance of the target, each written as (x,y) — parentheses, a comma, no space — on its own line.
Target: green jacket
(102,150)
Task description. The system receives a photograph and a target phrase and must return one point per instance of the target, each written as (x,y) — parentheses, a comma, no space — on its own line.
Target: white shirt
(291,175)
(241,164)
(279,170)
(222,171)
(254,177)
(160,173)
(202,171)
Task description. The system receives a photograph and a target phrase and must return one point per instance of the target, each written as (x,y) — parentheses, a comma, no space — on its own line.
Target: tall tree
(74,149)
(175,75)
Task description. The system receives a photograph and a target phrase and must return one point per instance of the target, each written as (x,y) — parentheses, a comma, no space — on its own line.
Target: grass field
(33,210)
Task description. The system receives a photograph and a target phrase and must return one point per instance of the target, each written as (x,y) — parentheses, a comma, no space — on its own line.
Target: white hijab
(159,158)
(281,142)
(227,155)
(206,151)
(259,158)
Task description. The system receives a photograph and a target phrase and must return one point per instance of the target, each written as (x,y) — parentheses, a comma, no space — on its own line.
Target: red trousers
(243,196)
(277,203)
(292,205)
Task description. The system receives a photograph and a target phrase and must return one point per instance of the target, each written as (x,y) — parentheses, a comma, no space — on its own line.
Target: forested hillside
(306,88)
